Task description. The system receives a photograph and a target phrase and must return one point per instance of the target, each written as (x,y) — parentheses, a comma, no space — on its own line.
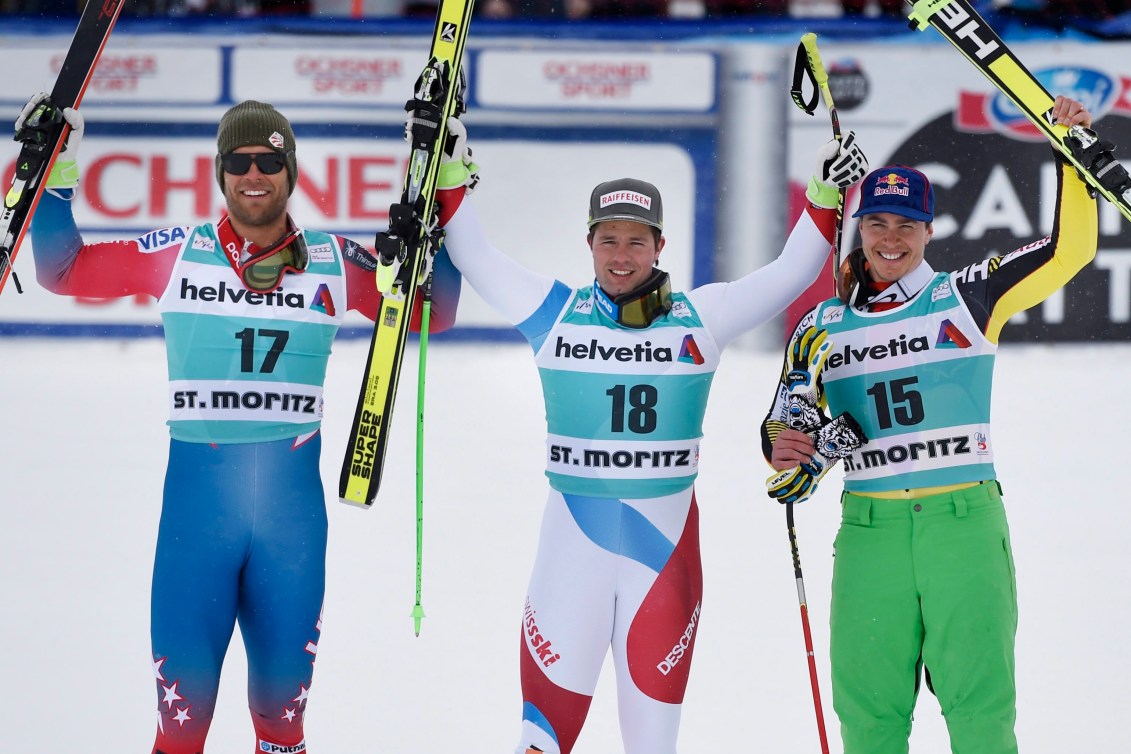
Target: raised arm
(509,288)
(730,309)
(999,288)
(66,265)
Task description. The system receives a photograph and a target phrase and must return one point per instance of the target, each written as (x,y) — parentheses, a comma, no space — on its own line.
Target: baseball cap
(897,189)
(252,123)
(626,199)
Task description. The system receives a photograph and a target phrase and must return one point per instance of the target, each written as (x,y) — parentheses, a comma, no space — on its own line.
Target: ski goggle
(263,271)
(641,307)
(238,163)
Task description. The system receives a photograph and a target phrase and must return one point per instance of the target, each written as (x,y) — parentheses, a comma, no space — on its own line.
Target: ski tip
(363,504)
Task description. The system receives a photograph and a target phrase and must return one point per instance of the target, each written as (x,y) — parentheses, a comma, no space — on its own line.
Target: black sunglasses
(238,163)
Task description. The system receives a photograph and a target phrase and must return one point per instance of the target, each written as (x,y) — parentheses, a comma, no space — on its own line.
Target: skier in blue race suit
(626,366)
(250,306)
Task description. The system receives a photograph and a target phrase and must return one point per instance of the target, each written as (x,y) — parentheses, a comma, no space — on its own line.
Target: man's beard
(260,217)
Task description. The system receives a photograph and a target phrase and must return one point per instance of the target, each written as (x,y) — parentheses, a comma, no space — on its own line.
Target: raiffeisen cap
(626,199)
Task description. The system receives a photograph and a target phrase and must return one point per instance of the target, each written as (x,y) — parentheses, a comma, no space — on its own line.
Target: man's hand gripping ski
(811,443)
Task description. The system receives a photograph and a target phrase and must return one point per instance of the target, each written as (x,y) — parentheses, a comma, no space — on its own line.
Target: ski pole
(808,63)
(425,316)
(805,628)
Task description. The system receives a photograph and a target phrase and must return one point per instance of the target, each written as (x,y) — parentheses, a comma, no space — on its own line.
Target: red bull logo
(892,184)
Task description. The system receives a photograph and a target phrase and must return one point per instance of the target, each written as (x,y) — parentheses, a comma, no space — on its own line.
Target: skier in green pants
(923,576)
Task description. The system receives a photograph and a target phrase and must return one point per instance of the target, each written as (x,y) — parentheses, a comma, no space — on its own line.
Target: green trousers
(924,582)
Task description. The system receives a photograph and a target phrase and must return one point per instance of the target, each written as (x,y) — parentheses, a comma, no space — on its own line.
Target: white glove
(457,168)
(65,172)
(29,108)
(840,164)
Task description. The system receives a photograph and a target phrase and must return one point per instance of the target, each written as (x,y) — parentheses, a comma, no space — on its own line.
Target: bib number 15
(895,401)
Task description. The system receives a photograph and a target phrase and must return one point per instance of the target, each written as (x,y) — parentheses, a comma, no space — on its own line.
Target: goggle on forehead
(263,271)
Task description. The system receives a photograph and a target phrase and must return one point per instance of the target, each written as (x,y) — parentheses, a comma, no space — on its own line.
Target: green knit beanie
(256,124)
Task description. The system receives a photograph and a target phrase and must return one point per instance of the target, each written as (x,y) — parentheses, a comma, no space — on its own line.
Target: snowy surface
(83,456)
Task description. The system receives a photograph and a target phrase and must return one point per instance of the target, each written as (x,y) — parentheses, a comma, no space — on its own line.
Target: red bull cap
(897,189)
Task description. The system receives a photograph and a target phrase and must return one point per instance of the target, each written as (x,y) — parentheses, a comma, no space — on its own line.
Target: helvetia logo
(225,295)
(901,346)
(689,352)
(323,302)
(595,351)
(951,337)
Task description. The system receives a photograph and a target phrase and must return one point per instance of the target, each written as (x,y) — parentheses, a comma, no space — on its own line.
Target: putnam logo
(322,301)
(951,337)
(689,352)
(271,748)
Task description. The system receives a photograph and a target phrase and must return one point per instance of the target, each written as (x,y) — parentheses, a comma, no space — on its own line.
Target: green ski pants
(924,582)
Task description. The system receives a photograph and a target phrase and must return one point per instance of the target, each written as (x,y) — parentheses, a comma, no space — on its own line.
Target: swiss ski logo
(448,32)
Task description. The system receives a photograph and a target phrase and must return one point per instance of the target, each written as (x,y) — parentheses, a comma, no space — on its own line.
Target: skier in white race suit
(626,366)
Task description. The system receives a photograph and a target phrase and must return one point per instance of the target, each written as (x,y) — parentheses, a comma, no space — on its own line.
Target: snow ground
(82,465)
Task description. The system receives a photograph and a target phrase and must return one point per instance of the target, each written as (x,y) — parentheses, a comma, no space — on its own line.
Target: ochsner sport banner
(993,173)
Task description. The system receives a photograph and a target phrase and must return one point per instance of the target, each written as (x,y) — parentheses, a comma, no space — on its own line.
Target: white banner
(609,80)
(124,75)
(330,74)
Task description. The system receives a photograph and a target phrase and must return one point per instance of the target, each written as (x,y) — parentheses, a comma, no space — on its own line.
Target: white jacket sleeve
(730,309)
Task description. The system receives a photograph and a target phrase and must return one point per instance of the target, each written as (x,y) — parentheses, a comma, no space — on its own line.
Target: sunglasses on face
(238,163)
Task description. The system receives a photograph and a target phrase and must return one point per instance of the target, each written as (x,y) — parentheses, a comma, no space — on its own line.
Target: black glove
(834,440)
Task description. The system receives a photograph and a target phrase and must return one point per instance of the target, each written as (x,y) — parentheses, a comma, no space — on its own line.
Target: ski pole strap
(801,70)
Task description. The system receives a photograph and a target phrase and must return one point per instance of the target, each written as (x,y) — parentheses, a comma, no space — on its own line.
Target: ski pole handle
(809,58)
(821,77)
